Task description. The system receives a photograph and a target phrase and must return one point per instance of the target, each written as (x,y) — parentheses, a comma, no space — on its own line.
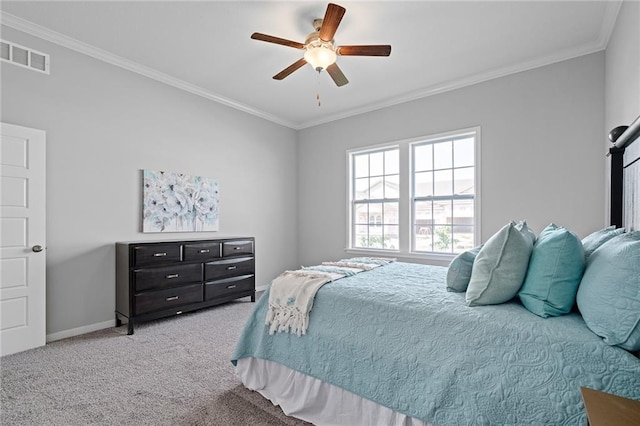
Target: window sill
(439,259)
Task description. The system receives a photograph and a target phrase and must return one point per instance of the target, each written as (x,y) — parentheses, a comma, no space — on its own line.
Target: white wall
(622,73)
(542,156)
(104,125)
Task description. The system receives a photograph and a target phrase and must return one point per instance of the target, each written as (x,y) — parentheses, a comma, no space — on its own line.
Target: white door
(22,239)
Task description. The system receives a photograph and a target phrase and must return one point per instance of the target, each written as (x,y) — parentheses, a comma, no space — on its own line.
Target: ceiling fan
(320,48)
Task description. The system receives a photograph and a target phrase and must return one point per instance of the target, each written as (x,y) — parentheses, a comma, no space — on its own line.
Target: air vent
(24,56)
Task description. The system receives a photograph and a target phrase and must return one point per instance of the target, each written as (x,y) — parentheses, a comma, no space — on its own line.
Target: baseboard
(80,330)
(262,287)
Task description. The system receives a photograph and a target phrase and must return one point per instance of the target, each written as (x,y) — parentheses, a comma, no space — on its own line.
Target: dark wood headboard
(625,176)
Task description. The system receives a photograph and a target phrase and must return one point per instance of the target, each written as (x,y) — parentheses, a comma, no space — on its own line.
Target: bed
(391,346)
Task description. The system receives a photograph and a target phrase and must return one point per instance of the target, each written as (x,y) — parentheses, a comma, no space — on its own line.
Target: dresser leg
(253,296)
(118,321)
(130,327)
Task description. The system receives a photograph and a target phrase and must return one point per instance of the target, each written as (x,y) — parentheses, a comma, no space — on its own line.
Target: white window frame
(371,150)
(405,205)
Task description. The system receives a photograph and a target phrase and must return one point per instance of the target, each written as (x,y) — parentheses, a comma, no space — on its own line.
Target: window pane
(422,157)
(376,190)
(361,214)
(462,238)
(361,189)
(361,165)
(391,240)
(423,183)
(442,155)
(376,164)
(443,239)
(360,235)
(463,154)
(375,214)
(443,182)
(442,212)
(376,239)
(423,238)
(463,213)
(391,162)
(390,213)
(464,183)
(391,187)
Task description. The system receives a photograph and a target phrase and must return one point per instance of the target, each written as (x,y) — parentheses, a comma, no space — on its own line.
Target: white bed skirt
(313,400)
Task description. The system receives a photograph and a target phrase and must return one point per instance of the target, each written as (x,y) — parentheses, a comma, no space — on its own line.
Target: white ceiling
(205,47)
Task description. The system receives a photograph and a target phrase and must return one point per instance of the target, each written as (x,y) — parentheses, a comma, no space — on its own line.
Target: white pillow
(499,268)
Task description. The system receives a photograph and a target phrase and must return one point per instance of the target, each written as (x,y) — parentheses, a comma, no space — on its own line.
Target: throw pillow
(609,294)
(554,273)
(459,272)
(499,268)
(594,240)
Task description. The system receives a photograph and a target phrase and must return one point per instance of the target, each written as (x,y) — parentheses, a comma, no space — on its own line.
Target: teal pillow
(592,241)
(609,294)
(459,272)
(554,273)
(499,268)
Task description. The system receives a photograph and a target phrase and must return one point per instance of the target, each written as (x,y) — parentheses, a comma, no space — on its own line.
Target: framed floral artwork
(178,202)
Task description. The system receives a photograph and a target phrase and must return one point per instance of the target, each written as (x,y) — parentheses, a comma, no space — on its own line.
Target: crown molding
(612,9)
(460,83)
(55,37)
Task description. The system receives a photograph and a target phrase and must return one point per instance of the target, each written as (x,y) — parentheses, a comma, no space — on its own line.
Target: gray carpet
(174,371)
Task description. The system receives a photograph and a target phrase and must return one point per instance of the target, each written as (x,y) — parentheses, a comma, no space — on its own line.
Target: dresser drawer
(228,268)
(236,248)
(228,286)
(156,254)
(167,276)
(168,298)
(201,251)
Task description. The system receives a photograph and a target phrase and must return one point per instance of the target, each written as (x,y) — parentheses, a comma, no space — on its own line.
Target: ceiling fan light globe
(320,57)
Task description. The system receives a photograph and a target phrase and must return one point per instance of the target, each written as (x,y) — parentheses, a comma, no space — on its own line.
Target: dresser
(165,278)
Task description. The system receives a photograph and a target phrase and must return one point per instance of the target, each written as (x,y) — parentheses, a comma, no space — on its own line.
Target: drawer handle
(159,254)
(169,299)
(172,276)
(204,251)
(231,268)
(178,313)
(237,248)
(231,286)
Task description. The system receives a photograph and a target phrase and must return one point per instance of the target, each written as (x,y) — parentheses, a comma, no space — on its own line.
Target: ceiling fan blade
(336,74)
(373,50)
(291,68)
(277,40)
(332,18)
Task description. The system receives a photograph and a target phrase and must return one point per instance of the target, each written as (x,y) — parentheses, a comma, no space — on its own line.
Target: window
(443,194)
(416,197)
(374,195)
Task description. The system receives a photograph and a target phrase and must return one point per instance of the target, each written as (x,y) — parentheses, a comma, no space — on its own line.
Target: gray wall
(541,154)
(104,125)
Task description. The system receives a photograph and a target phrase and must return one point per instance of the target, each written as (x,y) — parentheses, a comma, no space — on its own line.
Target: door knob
(37,249)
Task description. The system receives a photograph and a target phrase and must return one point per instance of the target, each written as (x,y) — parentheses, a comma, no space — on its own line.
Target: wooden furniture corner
(607,409)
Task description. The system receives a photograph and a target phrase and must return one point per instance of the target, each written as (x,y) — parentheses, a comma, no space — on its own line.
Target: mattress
(396,337)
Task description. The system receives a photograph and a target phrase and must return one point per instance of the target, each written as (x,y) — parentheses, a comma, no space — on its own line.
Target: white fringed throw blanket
(292,294)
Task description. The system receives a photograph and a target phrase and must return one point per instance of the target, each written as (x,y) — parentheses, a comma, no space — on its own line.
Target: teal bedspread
(395,336)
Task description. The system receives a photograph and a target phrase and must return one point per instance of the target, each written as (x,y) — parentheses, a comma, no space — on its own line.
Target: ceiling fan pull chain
(318,93)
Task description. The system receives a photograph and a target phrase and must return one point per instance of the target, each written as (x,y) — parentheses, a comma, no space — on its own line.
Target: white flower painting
(177,202)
